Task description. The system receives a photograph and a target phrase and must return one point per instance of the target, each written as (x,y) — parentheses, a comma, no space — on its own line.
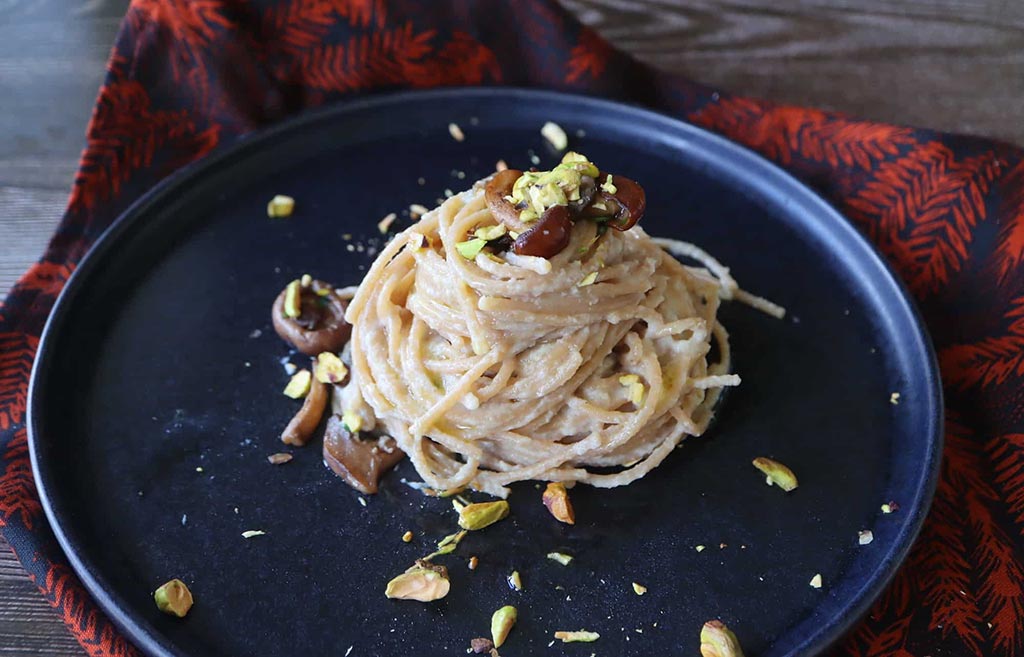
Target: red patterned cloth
(189,76)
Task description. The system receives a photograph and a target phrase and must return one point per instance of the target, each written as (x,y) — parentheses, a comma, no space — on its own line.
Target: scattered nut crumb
(249,533)
(481,645)
(407,537)
(865,536)
(384,224)
(816,581)
(416,210)
(776,473)
(890,507)
(280,206)
(199,468)
(362,501)
(580,636)
(560,557)
(717,640)
(556,499)
(639,589)
(515,582)
(699,548)
(473,562)
(279,458)
(555,135)
(173,598)
(894,398)
(500,165)
(722,546)
(456,132)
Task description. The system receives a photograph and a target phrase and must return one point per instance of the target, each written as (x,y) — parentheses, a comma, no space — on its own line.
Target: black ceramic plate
(156,399)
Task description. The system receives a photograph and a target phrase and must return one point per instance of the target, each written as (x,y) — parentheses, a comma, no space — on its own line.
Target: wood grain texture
(948,64)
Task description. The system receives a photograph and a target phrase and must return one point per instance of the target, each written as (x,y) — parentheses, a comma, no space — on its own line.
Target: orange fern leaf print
(191,27)
(303,24)
(18,499)
(1010,240)
(993,359)
(46,277)
(17,351)
(89,626)
(462,60)
(588,58)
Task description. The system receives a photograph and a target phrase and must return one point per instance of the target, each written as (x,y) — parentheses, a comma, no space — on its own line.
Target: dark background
(947,64)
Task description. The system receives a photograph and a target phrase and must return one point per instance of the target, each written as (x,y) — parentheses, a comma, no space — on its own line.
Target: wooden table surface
(948,64)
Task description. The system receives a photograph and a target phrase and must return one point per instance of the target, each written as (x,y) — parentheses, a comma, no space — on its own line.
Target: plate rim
(147,638)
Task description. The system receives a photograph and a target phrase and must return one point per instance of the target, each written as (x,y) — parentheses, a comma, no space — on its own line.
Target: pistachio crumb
(407,537)
(280,206)
(556,499)
(423,582)
(298,386)
(890,507)
(639,589)
(352,421)
(500,165)
(560,557)
(473,562)
(416,210)
(199,468)
(292,299)
(279,458)
(470,248)
(580,636)
(700,548)
(717,640)
(249,533)
(776,473)
(329,368)
(555,135)
(589,279)
(864,537)
(501,624)
(894,398)
(384,224)
(456,132)
(515,581)
(816,581)
(482,514)
(173,598)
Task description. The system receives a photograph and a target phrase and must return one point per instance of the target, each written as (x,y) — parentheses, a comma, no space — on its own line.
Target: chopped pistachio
(417,240)
(416,210)
(700,548)
(423,583)
(556,499)
(501,624)
(173,598)
(293,299)
(500,165)
(717,640)
(352,421)
(279,458)
(306,280)
(636,389)
(589,279)
(447,544)
(515,581)
(298,386)
(608,186)
(456,132)
(555,135)
(490,232)
(384,224)
(280,206)
(407,537)
(864,537)
(581,164)
(250,533)
(329,368)
(473,562)
(816,581)
(580,636)
(777,473)
(323,291)
(560,557)
(470,248)
(894,398)
(482,514)
(639,589)
(528,215)
(890,507)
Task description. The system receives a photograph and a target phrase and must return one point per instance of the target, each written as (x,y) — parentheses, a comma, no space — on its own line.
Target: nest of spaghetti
(578,352)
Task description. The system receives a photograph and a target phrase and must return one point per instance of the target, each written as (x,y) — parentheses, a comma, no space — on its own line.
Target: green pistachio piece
(470,248)
(482,514)
(352,421)
(608,186)
(555,135)
(420,583)
(173,598)
(560,557)
(280,206)
(777,473)
(717,640)
(293,299)
(490,232)
(298,386)
(581,164)
(528,216)
(501,624)
(581,636)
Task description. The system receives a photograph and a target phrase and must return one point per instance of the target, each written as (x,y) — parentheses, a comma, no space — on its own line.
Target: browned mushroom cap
(361,463)
(497,188)
(306,420)
(627,205)
(548,236)
(321,324)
